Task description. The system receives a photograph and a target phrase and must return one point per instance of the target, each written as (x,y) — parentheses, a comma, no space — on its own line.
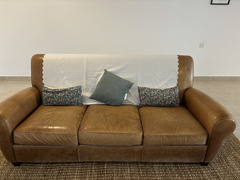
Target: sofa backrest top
(185,73)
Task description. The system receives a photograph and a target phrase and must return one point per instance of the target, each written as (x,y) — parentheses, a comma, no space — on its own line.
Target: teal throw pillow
(158,97)
(62,97)
(111,89)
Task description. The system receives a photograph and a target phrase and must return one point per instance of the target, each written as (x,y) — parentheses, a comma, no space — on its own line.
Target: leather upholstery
(171,126)
(109,153)
(216,119)
(36,71)
(173,153)
(50,125)
(111,125)
(12,111)
(185,75)
(28,153)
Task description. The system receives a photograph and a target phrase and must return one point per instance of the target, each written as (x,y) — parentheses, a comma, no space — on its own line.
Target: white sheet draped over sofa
(68,70)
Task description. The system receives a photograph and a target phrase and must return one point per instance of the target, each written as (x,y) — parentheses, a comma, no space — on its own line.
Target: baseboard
(15,78)
(217,78)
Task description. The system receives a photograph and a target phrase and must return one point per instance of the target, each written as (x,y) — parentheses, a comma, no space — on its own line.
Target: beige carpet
(225,166)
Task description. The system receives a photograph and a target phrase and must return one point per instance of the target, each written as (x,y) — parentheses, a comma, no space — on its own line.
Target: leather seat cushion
(111,126)
(50,125)
(171,126)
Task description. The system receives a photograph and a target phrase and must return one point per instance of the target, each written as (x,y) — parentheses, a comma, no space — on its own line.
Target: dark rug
(225,166)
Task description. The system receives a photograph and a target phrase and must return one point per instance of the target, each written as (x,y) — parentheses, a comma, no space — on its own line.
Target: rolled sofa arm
(12,111)
(214,117)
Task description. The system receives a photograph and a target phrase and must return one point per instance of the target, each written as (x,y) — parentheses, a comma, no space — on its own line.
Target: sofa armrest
(12,111)
(214,117)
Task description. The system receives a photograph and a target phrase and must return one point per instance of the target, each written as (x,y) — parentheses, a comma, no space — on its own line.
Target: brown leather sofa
(193,132)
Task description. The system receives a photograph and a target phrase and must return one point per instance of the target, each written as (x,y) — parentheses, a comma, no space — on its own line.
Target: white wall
(121,26)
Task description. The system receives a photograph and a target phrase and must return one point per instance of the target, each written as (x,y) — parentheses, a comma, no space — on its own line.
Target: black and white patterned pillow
(158,97)
(62,97)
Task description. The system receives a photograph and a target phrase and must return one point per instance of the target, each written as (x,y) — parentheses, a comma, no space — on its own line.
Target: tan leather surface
(171,126)
(51,125)
(111,125)
(26,153)
(12,111)
(185,75)
(109,153)
(214,117)
(36,71)
(174,154)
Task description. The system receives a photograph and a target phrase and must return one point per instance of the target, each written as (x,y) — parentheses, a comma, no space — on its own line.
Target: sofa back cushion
(185,73)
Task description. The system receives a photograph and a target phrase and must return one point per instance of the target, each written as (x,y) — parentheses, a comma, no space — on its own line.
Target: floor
(225,90)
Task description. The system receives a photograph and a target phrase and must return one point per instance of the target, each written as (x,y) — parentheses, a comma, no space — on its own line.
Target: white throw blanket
(68,70)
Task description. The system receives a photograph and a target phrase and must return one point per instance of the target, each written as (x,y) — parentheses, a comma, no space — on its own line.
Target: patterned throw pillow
(158,97)
(62,97)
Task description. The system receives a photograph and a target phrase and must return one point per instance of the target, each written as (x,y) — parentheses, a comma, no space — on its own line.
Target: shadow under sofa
(192,132)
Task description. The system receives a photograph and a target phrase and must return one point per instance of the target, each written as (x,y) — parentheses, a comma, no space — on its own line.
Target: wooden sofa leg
(204,164)
(16,163)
